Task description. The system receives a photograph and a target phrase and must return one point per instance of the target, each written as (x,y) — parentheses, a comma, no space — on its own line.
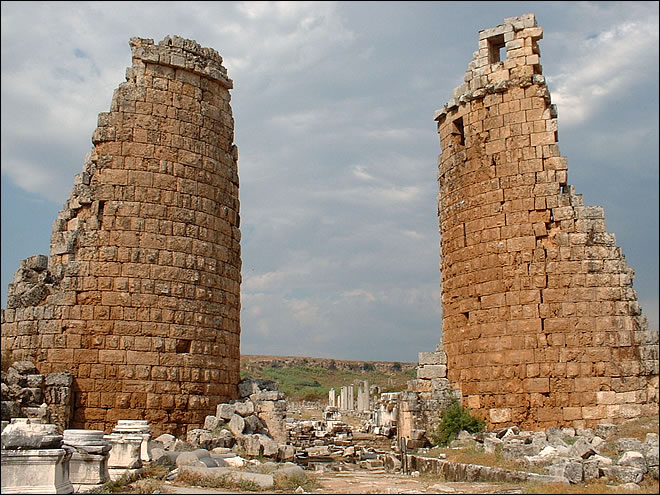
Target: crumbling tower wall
(140,297)
(541,325)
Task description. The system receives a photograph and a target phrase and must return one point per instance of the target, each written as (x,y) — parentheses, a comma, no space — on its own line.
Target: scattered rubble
(28,394)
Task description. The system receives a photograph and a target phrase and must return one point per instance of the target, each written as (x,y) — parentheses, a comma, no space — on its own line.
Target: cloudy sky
(333,105)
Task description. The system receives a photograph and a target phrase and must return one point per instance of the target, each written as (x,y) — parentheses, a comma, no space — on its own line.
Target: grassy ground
(309,382)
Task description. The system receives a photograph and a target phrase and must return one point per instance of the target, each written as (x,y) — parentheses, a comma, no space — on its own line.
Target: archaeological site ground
(121,348)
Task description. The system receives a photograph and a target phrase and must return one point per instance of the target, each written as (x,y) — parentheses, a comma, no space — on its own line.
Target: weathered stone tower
(541,325)
(140,297)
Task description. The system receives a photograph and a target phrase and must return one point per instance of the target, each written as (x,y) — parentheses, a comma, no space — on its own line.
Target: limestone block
(286,453)
(432,371)
(253,424)
(628,444)
(137,427)
(633,459)
(570,470)
(236,425)
(21,433)
(212,422)
(251,445)
(36,471)
(244,408)
(500,415)
(268,445)
(125,453)
(166,440)
(624,474)
(88,467)
(225,411)
(438,357)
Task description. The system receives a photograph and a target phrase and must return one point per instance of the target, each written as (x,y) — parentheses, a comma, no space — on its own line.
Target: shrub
(454,419)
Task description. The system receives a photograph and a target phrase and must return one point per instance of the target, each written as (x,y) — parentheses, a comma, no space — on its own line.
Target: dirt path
(381,482)
(363,482)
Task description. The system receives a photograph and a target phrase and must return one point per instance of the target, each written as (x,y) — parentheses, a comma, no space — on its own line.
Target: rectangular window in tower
(459,131)
(496,50)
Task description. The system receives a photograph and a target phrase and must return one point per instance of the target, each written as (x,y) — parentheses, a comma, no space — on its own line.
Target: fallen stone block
(225,411)
(570,470)
(286,452)
(166,440)
(633,459)
(605,430)
(212,422)
(191,459)
(624,474)
(245,408)
(268,445)
(626,444)
(236,425)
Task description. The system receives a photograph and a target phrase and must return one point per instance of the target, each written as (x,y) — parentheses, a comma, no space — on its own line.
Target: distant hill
(307,378)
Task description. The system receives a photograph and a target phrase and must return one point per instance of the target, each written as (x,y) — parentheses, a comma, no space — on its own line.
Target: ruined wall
(541,325)
(140,297)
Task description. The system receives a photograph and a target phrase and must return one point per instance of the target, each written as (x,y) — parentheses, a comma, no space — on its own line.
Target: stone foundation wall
(541,325)
(140,296)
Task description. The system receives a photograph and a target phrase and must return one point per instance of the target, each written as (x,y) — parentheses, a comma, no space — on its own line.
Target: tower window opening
(496,49)
(459,130)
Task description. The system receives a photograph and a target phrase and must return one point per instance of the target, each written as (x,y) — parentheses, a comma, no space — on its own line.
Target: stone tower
(541,326)
(140,296)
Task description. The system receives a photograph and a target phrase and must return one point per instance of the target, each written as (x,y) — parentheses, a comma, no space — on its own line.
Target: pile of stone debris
(570,454)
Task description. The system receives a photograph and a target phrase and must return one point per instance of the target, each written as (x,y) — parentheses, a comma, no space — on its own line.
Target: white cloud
(604,66)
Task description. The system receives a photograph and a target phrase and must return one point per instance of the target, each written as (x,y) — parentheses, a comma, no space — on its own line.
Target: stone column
(350,405)
(137,427)
(332,398)
(88,467)
(125,454)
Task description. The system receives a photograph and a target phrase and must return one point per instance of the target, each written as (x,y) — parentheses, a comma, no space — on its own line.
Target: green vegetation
(289,484)
(308,382)
(147,481)
(190,478)
(454,419)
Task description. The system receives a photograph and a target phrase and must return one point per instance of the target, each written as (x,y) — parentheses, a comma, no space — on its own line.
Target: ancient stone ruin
(140,297)
(541,325)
